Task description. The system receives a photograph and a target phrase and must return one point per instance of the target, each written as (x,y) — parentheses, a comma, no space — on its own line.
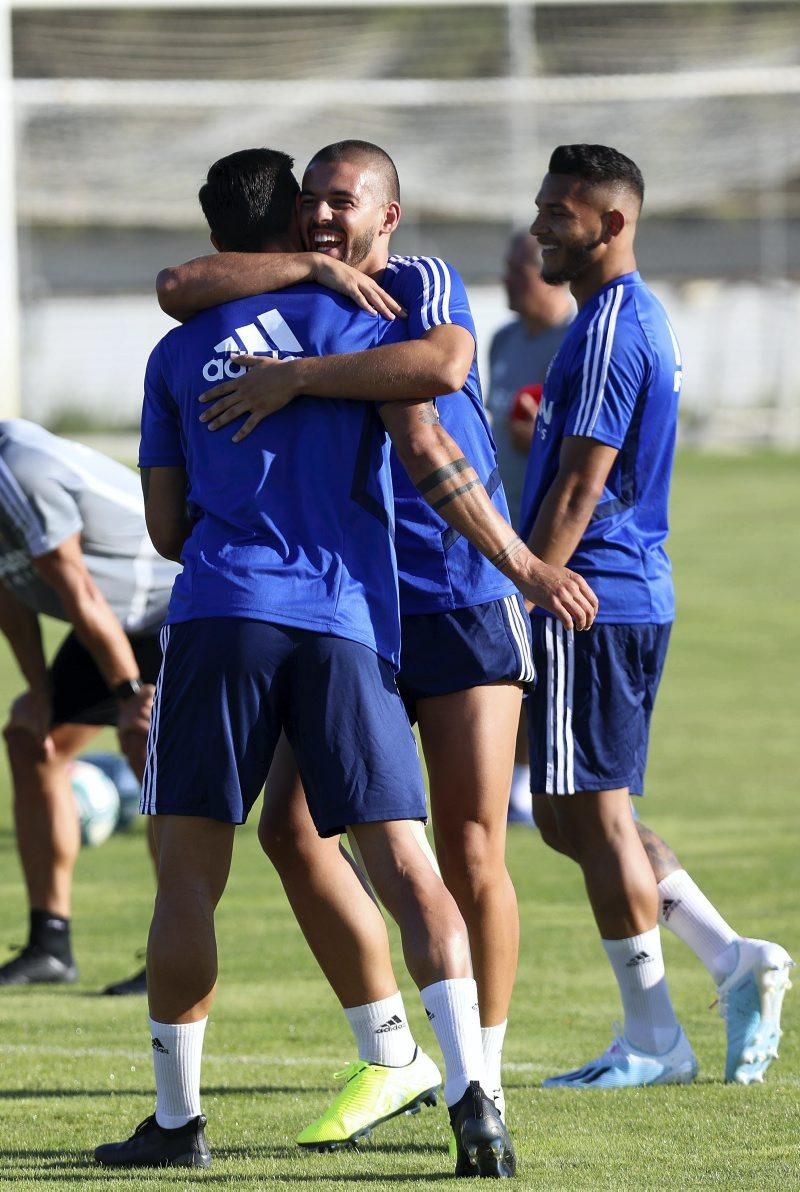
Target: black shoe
(135,984)
(483,1147)
(151,1145)
(34,966)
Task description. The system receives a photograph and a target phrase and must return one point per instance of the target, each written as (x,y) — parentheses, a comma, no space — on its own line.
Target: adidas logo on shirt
(639,958)
(668,906)
(392,1024)
(159,1046)
(274,337)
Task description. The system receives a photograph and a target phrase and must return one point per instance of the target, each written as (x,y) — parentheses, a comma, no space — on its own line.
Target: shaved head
(385,183)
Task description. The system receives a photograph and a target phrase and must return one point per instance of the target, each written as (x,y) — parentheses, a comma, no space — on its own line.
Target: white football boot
(750,1001)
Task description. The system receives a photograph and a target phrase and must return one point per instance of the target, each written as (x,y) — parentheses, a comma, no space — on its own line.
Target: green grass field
(75,1068)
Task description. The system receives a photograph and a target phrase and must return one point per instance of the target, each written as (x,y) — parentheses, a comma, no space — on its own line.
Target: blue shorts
(589,717)
(469,647)
(226,689)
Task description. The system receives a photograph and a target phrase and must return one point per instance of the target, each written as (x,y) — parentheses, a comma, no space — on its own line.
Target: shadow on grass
(118,1094)
(55,1168)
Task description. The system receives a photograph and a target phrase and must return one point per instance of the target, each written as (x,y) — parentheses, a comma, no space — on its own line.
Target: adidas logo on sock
(159,1046)
(431,1015)
(639,958)
(668,906)
(392,1024)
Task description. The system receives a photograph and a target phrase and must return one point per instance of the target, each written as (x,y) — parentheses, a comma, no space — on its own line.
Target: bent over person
(73,545)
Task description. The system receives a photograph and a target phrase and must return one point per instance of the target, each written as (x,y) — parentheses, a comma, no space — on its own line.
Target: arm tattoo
(441,474)
(145,476)
(503,556)
(429,415)
(456,492)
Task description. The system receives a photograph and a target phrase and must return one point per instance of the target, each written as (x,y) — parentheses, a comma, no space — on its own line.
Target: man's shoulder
(27,448)
(399,261)
(432,273)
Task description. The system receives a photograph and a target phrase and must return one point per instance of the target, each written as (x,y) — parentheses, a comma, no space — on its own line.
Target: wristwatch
(127,689)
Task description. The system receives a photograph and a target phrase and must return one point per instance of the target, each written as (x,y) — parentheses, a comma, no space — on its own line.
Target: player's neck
(600,274)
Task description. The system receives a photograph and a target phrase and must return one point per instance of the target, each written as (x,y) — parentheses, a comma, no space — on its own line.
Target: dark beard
(578,260)
(359,249)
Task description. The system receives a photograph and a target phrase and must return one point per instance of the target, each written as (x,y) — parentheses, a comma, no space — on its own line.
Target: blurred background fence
(119,109)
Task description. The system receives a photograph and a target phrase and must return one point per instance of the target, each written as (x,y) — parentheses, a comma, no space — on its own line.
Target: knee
(588,834)
(282,840)
(470,855)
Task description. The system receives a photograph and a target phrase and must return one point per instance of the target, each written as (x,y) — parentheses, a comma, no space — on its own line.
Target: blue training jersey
(438,568)
(616,378)
(294,524)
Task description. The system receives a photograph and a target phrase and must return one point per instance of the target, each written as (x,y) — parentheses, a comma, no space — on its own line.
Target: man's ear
(216,243)
(391,218)
(615,222)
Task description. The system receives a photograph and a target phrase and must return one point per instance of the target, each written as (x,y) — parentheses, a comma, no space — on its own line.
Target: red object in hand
(517,411)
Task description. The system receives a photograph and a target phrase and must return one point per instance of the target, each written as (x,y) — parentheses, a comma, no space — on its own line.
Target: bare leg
(661,857)
(340,921)
(194,862)
(521,755)
(546,822)
(134,746)
(599,828)
(435,944)
(468,739)
(48,834)
(659,854)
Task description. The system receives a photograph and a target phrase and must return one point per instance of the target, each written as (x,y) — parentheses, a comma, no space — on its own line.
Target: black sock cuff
(51,933)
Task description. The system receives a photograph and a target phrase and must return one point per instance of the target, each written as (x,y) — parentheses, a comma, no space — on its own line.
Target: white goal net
(119,111)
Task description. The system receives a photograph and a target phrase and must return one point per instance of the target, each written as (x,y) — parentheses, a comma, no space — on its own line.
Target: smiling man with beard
(465,645)
(596,494)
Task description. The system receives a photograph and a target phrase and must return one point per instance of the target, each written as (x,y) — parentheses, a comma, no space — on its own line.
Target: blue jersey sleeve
(432,293)
(161,444)
(609,375)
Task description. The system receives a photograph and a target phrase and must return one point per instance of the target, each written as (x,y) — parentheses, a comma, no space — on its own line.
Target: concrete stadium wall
(84,357)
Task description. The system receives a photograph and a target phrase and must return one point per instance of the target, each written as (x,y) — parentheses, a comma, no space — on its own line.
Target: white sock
(685,910)
(382,1032)
(177,1054)
(492,1038)
(520,798)
(452,1008)
(650,1022)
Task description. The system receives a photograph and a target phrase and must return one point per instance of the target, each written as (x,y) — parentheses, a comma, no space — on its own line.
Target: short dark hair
(249,198)
(598,165)
(377,157)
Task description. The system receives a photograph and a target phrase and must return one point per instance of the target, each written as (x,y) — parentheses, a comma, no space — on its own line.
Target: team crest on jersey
(268,335)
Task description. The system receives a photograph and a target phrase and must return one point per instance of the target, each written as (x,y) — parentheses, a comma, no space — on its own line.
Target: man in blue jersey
(286,617)
(596,495)
(464,653)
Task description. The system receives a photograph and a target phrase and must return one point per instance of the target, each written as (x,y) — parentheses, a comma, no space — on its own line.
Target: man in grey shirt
(518,360)
(73,545)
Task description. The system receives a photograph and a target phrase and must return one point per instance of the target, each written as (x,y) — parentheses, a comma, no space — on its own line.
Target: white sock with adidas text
(452,1009)
(685,910)
(492,1039)
(382,1032)
(177,1056)
(638,964)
